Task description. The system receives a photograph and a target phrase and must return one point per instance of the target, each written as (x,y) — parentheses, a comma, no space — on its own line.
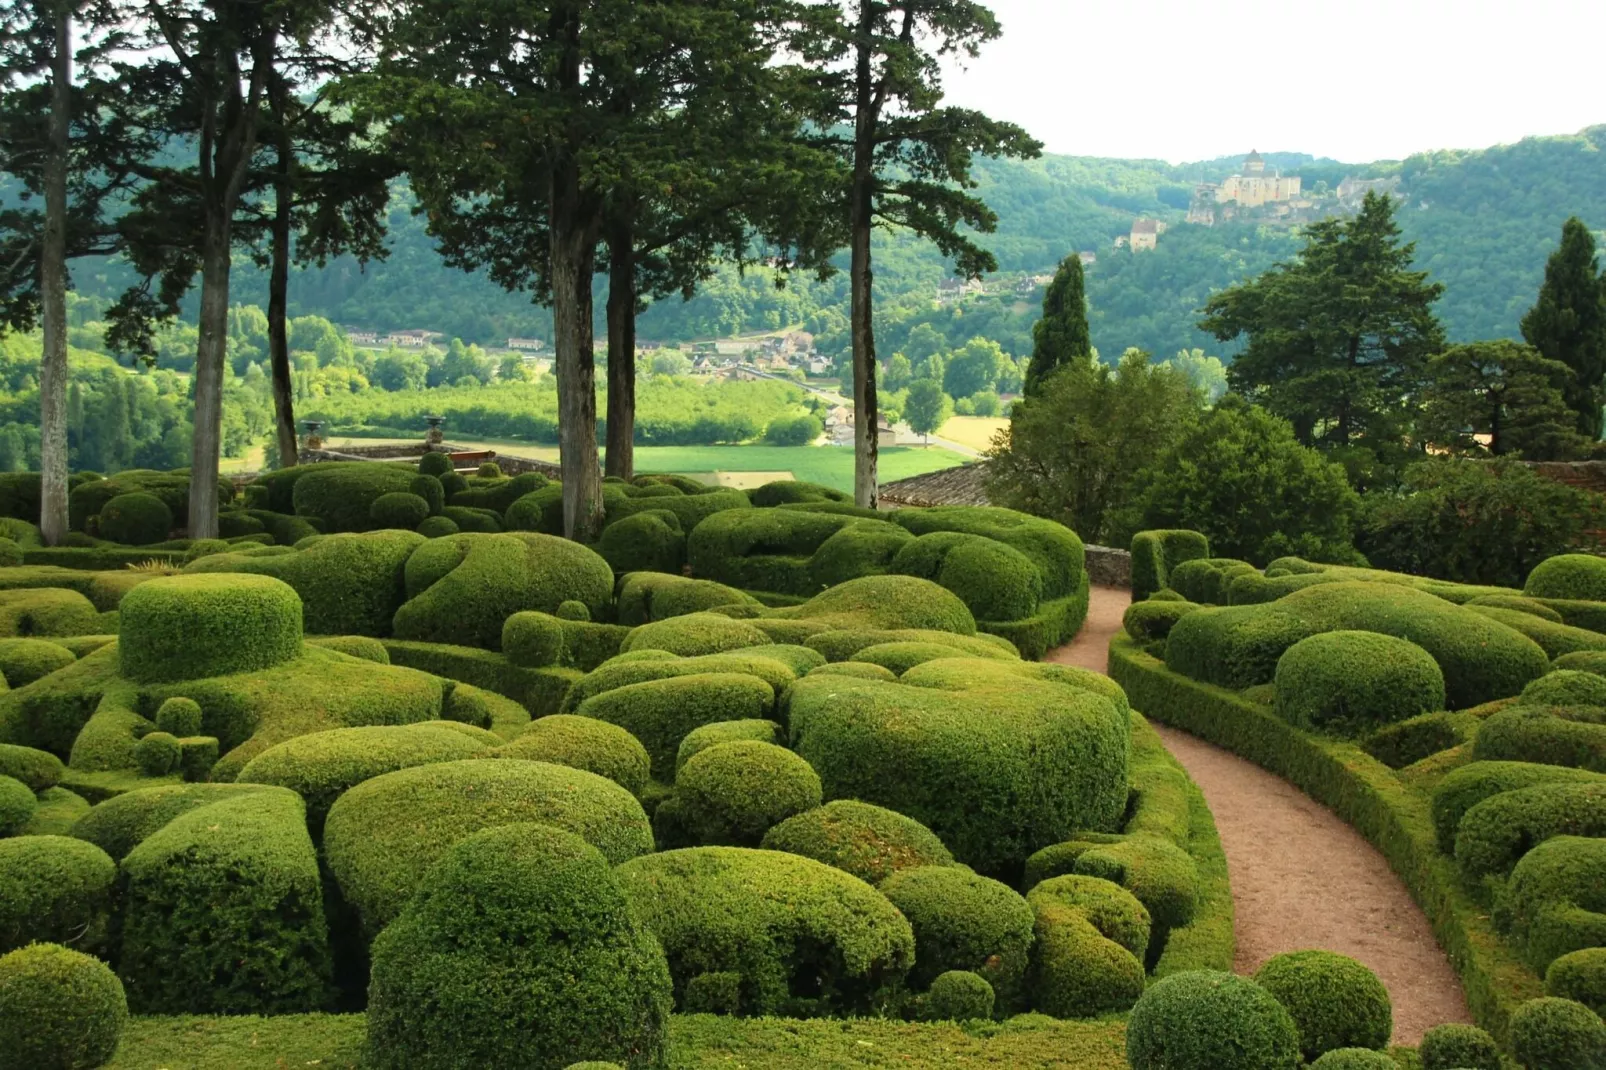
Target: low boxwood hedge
(964,921)
(868,841)
(732,793)
(661,710)
(1156,553)
(1579,976)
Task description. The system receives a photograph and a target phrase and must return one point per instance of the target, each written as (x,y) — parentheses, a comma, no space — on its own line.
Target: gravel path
(1301,877)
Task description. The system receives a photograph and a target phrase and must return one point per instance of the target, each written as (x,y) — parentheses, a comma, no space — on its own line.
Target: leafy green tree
(1207,374)
(1241,477)
(899,372)
(793,430)
(1503,392)
(1072,451)
(927,407)
(400,369)
(1338,338)
(924,341)
(1568,323)
(1061,337)
(975,368)
(878,81)
(985,403)
(1486,522)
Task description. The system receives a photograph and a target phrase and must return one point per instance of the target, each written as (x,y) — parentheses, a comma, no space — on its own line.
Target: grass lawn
(829,465)
(974,431)
(697,1042)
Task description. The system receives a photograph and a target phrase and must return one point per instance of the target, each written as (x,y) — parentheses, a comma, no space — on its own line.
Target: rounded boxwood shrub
(732,793)
(382,836)
(1153,619)
(520,951)
(54,888)
(10,553)
(1354,1059)
(695,634)
(532,640)
(207,548)
(1454,1046)
(356,646)
(572,609)
(711,735)
(158,754)
(489,470)
(136,519)
(870,842)
(1088,957)
(480,521)
(959,996)
(193,626)
(1560,687)
(660,712)
(22,661)
(793,936)
(1349,682)
(1557,1034)
(1548,735)
(1576,576)
(1463,788)
(1555,900)
(899,658)
(401,510)
(38,769)
(995,580)
(1335,1001)
(179,716)
(59,1010)
(430,489)
(861,670)
(645,542)
(435,464)
(1209,1020)
(964,921)
(437,527)
(584,743)
(1498,831)
(17,805)
(1580,976)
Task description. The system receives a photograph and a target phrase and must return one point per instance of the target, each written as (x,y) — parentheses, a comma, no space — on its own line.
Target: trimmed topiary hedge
(1561,687)
(1355,1059)
(647,542)
(695,634)
(1555,901)
(519,950)
(731,794)
(712,735)
(584,743)
(650,596)
(382,836)
(1350,683)
(1466,787)
(1579,976)
(56,889)
(1334,1000)
(59,1010)
(136,519)
(1551,735)
(1156,553)
(1573,576)
(959,996)
(1454,1046)
(870,842)
(964,921)
(37,769)
(1557,1034)
(1205,1020)
(660,712)
(17,804)
(402,510)
(341,494)
(47,612)
(782,935)
(189,627)
(1494,834)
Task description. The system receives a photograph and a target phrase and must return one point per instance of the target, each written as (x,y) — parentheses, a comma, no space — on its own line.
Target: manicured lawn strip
(335,1042)
(1366,794)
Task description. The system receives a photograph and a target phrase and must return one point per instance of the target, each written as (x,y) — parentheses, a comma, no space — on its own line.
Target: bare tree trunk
(53,299)
(621,457)
(210,353)
(861,210)
(284,413)
(573,262)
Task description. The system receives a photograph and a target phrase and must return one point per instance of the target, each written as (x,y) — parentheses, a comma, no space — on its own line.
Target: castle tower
(1253,164)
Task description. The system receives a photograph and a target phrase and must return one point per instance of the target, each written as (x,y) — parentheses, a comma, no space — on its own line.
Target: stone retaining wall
(1109,567)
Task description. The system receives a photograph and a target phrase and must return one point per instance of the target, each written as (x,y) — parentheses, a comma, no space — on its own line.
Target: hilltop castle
(1252,188)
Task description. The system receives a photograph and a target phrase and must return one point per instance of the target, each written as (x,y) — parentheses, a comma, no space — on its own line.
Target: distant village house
(413,339)
(531,345)
(1145,234)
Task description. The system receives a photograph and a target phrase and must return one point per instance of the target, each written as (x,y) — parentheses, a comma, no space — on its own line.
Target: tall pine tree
(1568,323)
(1061,337)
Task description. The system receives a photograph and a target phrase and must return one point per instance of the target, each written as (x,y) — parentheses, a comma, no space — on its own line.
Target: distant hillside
(1484,222)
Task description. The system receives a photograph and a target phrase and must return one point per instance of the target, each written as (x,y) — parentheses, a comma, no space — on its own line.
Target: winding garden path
(1301,877)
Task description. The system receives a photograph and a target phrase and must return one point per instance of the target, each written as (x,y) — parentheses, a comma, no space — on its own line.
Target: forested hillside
(1483,220)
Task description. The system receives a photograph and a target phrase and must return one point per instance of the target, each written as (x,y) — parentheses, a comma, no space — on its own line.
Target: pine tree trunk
(284,413)
(53,299)
(861,209)
(621,456)
(573,261)
(210,354)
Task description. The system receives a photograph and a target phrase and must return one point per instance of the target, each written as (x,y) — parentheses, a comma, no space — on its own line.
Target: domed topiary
(179,717)
(712,735)
(959,996)
(1561,687)
(1349,682)
(1580,976)
(59,1010)
(435,464)
(399,510)
(518,951)
(207,548)
(10,553)
(870,842)
(964,921)
(22,661)
(38,769)
(430,489)
(1454,1046)
(54,888)
(1209,1020)
(17,805)
(1557,1034)
(731,794)
(489,470)
(193,626)
(532,640)
(573,610)
(158,754)
(136,519)
(1335,1001)
(1354,1059)
(1576,576)
(584,743)
(437,527)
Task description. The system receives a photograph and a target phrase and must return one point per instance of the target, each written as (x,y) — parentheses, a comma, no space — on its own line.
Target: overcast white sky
(1357,80)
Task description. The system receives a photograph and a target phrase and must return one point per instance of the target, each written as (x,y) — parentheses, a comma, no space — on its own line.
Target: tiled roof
(964,485)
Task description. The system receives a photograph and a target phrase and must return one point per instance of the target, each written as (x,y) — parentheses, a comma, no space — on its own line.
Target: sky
(1355,80)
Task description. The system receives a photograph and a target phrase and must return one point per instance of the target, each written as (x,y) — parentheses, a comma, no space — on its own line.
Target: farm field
(974,431)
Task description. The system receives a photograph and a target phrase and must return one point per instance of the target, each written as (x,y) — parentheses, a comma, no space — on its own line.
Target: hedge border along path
(1301,877)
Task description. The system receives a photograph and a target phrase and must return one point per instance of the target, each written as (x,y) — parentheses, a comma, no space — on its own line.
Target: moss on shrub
(1557,1034)
(870,842)
(1206,1020)
(584,743)
(1335,1001)
(1352,682)
(189,627)
(1454,1046)
(537,909)
(803,938)
(55,889)
(732,793)
(382,836)
(59,1010)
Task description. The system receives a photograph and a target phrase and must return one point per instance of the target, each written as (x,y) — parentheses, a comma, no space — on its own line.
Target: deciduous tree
(927,407)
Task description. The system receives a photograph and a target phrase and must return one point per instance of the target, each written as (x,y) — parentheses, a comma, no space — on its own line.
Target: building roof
(964,485)
(1254,157)
(1145,226)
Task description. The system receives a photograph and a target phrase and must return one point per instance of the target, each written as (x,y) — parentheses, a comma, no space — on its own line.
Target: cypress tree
(1061,337)
(1568,323)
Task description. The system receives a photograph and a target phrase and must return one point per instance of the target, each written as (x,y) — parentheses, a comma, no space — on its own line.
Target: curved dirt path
(1301,877)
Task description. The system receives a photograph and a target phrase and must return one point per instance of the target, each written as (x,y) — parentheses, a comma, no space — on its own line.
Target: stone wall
(1109,567)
